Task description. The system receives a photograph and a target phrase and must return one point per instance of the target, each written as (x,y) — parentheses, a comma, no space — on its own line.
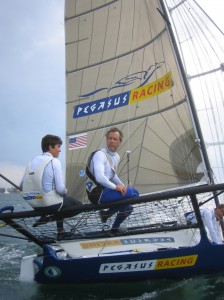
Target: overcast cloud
(32,77)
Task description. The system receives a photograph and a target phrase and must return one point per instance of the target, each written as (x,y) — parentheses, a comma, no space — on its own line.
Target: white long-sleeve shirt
(101,169)
(209,219)
(52,175)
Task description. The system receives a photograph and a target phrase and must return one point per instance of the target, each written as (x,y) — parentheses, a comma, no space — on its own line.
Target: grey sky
(32,77)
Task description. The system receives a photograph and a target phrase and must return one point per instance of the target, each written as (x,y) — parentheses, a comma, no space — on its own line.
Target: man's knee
(127,210)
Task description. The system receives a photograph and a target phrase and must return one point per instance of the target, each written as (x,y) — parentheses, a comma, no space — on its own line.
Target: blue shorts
(109,195)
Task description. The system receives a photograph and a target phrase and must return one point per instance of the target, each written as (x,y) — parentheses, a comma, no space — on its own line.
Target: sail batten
(90,10)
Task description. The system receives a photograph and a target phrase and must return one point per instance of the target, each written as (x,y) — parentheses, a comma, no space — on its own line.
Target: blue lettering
(101,105)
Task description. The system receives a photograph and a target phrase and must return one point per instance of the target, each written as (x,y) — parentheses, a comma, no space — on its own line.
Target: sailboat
(6,191)
(125,69)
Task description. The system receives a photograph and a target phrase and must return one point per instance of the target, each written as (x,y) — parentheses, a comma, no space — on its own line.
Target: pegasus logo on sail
(143,76)
(142,92)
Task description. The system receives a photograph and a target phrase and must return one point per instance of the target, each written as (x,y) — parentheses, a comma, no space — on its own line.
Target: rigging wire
(212,89)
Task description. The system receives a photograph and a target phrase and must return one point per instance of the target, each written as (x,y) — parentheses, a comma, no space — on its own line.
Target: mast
(189,95)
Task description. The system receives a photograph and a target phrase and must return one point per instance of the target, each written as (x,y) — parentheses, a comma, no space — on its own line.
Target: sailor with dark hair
(43,187)
(103,184)
(211,219)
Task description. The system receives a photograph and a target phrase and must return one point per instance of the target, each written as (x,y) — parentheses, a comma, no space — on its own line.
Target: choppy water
(11,251)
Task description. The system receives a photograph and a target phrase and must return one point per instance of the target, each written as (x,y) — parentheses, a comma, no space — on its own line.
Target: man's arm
(58,179)
(99,161)
(101,167)
(207,218)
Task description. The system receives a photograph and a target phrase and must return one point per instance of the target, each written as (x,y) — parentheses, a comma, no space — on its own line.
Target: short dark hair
(50,140)
(220,206)
(115,129)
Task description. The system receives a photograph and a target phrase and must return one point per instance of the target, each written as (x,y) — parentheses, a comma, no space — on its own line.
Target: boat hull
(180,263)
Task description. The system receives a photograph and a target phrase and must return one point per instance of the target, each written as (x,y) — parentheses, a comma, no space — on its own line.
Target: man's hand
(122,189)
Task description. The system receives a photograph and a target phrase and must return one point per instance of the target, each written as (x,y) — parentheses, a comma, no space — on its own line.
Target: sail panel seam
(119,56)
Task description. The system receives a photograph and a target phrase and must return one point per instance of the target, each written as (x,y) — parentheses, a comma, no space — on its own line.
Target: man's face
(113,141)
(220,212)
(55,151)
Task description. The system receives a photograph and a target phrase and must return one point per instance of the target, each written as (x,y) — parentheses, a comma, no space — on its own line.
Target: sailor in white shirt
(42,185)
(103,184)
(211,220)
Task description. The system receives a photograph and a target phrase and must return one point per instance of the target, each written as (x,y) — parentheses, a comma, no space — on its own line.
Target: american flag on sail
(77,141)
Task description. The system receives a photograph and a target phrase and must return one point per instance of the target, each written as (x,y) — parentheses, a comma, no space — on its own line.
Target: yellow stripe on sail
(152,89)
(38,197)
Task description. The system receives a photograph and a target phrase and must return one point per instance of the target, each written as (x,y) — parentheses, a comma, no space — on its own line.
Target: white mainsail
(121,71)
